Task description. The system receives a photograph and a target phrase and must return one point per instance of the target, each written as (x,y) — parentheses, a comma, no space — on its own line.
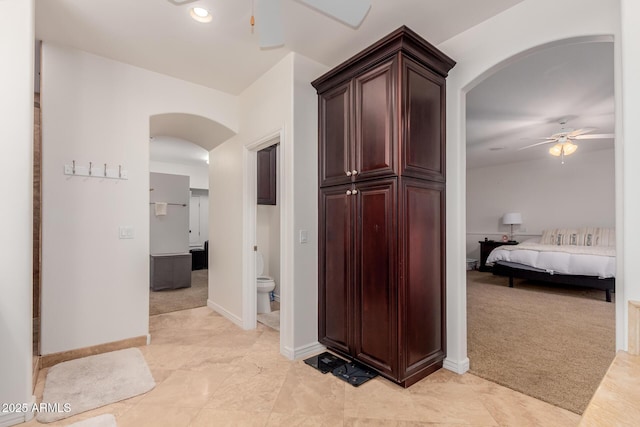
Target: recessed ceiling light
(200,14)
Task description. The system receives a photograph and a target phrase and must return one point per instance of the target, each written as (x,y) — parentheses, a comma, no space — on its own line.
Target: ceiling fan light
(200,14)
(556,150)
(569,148)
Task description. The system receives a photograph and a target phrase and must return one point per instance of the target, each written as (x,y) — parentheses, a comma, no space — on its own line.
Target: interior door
(194,221)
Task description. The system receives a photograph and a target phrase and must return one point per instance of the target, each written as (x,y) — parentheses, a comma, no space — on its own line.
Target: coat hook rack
(76,169)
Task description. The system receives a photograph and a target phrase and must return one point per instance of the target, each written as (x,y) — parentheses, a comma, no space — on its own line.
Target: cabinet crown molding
(403,39)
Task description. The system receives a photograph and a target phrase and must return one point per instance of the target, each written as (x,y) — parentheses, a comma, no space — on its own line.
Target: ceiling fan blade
(180,2)
(269,23)
(350,12)
(548,141)
(596,136)
(580,132)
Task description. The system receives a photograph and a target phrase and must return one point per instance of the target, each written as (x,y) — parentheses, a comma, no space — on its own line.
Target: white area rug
(104,420)
(94,381)
(272,319)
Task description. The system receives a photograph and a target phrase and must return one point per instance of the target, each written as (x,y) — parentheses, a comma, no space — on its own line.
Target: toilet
(265,285)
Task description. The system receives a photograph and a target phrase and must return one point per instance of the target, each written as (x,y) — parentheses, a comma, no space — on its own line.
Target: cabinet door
(334,136)
(422,281)
(423,144)
(335,253)
(376,285)
(375,122)
(266,175)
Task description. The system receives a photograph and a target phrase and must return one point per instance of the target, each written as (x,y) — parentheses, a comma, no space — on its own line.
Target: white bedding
(599,261)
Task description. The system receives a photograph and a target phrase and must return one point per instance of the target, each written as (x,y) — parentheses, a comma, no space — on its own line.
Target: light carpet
(170,300)
(271,320)
(554,343)
(95,381)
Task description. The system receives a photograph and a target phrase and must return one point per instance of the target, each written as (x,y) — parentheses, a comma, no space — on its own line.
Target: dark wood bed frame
(606,285)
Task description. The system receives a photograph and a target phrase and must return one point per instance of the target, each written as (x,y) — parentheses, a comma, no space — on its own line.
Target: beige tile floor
(211,373)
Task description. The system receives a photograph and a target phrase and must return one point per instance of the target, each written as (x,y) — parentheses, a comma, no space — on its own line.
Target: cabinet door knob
(354,172)
(354,191)
(348,173)
(348,192)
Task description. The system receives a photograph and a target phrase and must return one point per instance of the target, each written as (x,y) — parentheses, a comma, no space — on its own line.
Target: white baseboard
(11,419)
(14,418)
(303,351)
(276,297)
(459,367)
(224,312)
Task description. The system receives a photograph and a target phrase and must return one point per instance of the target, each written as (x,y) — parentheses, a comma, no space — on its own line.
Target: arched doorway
(472,68)
(179,209)
(524,328)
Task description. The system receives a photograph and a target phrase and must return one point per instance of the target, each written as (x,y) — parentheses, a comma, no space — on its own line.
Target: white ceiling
(508,110)
(159,36)
(525,101)
(169,149)
(202,131)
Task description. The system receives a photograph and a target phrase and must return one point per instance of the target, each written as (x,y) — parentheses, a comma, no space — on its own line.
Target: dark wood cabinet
(382,207)
(266,175)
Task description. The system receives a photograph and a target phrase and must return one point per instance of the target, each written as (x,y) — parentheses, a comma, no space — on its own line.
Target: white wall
(16,140)
(630,157)
(169,234)
(198,175)
(95,287)
(547,193)
(480,51)
(305,163)
(267,107)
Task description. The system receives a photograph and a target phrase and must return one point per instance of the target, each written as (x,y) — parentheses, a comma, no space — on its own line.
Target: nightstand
(486,246)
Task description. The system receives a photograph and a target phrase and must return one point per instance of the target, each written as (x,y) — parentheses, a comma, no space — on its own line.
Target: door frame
(250,191)
(458,85)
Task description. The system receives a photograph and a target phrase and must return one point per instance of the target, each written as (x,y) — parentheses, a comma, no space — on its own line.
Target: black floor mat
(325,362)
(354,373)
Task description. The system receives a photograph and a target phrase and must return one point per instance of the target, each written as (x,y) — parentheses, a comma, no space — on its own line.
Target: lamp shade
(512,218)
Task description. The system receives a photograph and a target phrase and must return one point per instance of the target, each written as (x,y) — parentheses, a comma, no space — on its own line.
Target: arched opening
(508,113)
(179,209)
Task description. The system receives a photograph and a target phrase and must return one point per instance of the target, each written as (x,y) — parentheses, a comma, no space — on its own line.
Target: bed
(581,257)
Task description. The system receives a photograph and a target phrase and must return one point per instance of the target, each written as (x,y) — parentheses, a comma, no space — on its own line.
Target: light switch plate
(126,232)
(304,237)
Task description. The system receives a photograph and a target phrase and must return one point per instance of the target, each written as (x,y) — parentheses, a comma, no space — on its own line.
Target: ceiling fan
(563,140)
(268,15)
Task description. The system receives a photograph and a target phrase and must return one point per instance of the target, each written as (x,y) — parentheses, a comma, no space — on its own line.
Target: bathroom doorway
(267,233)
